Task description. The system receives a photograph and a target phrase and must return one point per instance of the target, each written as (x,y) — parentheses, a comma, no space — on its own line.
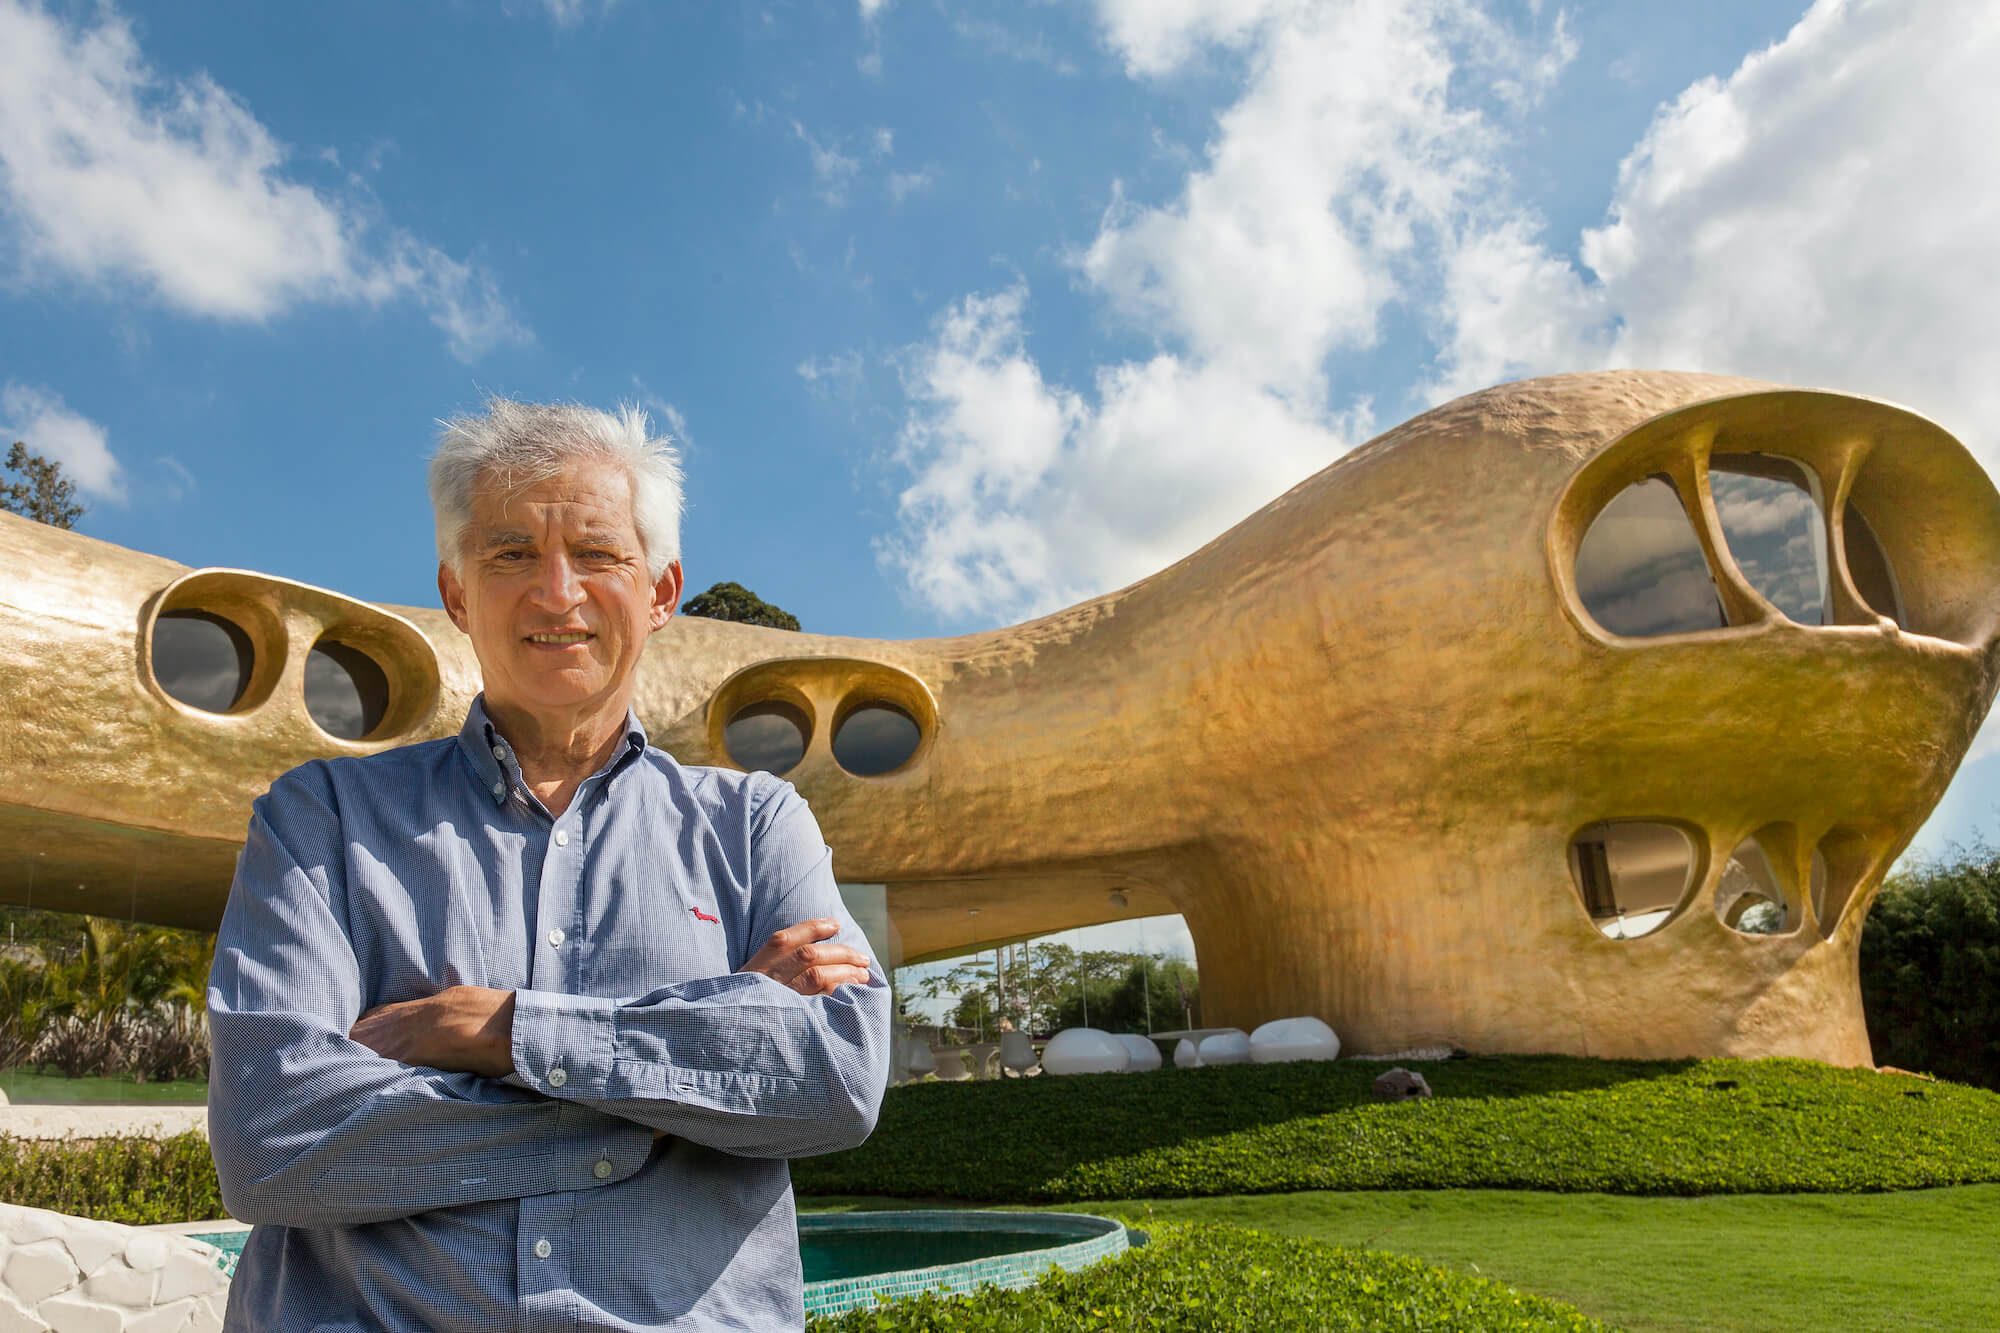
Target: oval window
(1749,899)
(875,739)
(1631,874)
(1640,572)
(201,659)
(1868,564)
(1772,525)
(770,736)
(347,693)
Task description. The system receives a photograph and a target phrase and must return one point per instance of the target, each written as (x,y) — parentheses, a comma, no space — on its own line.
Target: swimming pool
(856,1259)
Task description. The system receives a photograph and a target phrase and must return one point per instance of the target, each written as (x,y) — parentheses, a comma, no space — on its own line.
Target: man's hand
(797,957)
(465,1029)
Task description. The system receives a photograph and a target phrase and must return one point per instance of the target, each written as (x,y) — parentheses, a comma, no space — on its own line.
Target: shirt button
(602,1169)
(543,1249)
(499,790)
(500,752)
(558,1076)
(562,838)
(555,939)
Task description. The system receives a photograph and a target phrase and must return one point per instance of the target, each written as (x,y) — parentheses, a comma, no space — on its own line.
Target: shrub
(1930,969)
(1526,1122)
(132,1179)
(1226,1278)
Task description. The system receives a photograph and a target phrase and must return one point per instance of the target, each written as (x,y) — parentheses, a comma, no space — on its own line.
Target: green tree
(1930,969)
(42,492)
(733,601)
(1047,987)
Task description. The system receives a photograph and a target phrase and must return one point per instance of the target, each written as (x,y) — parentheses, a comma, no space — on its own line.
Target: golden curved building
(1583,714)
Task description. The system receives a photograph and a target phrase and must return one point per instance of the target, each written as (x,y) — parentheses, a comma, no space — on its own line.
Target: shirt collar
(492,758)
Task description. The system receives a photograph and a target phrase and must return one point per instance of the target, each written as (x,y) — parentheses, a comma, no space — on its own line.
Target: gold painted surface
(1350,739)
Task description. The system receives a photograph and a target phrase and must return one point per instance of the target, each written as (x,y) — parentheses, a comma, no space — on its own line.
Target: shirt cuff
(562,1044)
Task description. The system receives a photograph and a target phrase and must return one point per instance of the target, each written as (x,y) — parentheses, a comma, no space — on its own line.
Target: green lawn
(1917,1260)
(26,1088)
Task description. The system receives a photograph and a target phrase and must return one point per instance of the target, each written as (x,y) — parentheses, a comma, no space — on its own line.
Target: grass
(24,1087)
(1222,1279)
(1532,1122)
(1911,1261)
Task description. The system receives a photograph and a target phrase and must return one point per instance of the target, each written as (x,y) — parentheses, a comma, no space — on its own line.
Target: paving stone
(93,1244)
(207,1317)
(25,1226)
(16,1317)
(126,1288)
(38,1271)
(187,1273)
(162,1318)
(71,1313)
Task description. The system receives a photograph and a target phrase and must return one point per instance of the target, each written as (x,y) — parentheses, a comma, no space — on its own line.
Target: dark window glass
(874,739)
(1631,874)
(770,736)
(201,659)
(346,692)
(1749,898)
(1868,564)
(1773,528)
(1640,570)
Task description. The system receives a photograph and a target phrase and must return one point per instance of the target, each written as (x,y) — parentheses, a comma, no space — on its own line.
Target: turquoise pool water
(859,1258)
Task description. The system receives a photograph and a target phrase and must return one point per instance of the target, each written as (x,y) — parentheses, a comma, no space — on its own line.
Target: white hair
(519,444)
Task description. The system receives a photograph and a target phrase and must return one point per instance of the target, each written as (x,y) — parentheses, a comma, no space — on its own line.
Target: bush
(1226,1278)
(134,1179)
(1525,1122)
(1930,970)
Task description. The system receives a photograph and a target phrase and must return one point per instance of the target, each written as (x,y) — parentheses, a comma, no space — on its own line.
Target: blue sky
(956,307)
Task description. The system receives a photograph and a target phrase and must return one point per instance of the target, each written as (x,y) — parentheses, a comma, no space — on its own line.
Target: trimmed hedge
(1930,969)
(1525,1122)
(136,1180)
(1212,1279)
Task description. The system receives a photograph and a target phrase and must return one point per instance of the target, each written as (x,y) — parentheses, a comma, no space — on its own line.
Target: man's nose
(558,586)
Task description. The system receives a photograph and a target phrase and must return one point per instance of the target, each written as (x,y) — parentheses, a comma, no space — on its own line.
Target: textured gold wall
(1350,739)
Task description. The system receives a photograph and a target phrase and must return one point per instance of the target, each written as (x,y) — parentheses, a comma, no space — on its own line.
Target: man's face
(552,588)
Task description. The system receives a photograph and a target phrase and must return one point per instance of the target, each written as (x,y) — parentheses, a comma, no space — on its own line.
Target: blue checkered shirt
(387,1196)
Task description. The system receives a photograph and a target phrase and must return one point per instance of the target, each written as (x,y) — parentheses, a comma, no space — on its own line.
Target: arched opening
(1868,565)
(1640,571)
(1773,528)
(1751,898)
(874,739)
(769,735)
(1631,874)
(201,659)
(347,692)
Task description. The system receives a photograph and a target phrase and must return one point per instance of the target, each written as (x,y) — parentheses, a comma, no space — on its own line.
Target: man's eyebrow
(498,538)
(606,536)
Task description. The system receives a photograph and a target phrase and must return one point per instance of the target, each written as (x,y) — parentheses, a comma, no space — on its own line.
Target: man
(515,1030)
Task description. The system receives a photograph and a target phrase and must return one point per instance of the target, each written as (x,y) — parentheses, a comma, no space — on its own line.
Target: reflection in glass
(346,692)
(201,659)
(1748,898)
(770,736)
(1631,874)
(1868,564)
(1773,528)
(1640,571)
(875,739)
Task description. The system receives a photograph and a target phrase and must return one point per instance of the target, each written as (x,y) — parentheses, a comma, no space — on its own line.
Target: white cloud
(903,184)
(114,174)
(565,12)
(1822,216)
(40,420)
(1352,158)
(873,9)
(667,418)
(833,171)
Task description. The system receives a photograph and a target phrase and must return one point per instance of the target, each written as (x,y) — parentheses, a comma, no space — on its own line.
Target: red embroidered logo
(700,915)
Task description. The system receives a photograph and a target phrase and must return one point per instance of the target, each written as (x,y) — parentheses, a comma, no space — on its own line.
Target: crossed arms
(322,1114)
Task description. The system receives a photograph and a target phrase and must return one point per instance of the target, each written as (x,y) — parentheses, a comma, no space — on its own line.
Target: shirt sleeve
(738,1063)
(310,1128)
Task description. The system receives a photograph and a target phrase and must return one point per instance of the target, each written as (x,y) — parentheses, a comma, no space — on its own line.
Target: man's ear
(453,594)
(666,595)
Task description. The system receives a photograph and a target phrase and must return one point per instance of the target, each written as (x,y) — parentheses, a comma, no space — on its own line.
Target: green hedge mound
(1526,1122)
(136,1180)
(1224,1279)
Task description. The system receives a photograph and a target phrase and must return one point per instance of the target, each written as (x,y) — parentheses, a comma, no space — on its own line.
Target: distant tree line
(39,490)
(1045,988)
(85,995)
(733,601)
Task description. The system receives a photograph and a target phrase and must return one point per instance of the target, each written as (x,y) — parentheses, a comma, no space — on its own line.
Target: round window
(346,691)
(770,736)
(875,738)
(201,659)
